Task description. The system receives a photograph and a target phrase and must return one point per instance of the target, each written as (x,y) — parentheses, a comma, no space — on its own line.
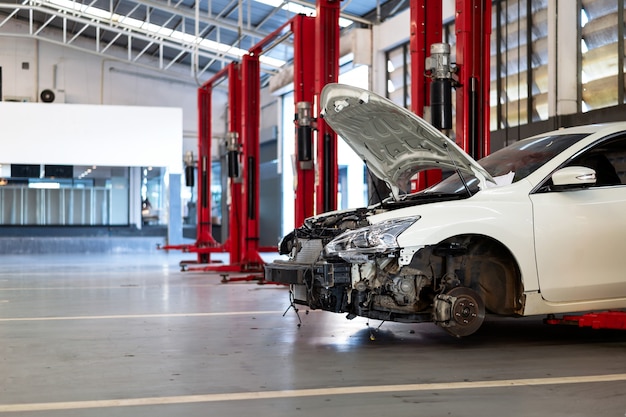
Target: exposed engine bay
(374,262)
(427,284)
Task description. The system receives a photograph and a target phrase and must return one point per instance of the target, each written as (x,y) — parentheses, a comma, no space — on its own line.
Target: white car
(536,228)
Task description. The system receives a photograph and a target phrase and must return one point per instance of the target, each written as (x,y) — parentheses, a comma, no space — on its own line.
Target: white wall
(83,78)
(80,134)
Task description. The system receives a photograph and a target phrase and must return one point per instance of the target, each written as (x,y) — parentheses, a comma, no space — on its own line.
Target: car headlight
(377,238)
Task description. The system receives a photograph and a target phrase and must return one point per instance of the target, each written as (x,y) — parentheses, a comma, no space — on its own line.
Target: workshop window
(399,75)
(602,64)
(519,56)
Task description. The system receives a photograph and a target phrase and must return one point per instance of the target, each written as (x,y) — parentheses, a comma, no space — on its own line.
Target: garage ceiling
(188,38)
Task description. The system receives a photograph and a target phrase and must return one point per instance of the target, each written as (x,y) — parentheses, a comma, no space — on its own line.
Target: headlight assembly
(377,238)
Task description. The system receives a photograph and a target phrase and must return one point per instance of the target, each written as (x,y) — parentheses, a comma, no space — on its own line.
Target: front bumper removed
(325,273)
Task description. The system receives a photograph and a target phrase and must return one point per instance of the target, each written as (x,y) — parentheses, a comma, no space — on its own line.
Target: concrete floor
(133,336)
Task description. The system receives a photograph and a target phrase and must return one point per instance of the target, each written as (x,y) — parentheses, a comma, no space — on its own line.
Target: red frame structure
(426,28)
(473,60)
(244,215)
(250,140)
(604,320)
(316,42)
(205,244)
(326,71)
(244,119)
(303,28)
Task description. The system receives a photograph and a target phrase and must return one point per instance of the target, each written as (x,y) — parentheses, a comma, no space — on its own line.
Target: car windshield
(517,161)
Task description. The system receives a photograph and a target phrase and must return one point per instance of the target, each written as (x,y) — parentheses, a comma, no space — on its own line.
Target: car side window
(608,159)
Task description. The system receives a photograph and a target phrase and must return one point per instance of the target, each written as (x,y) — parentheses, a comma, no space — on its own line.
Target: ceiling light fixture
(160,31)
(299,9)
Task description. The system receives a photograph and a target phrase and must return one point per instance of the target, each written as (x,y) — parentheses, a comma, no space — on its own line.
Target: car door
(580,234)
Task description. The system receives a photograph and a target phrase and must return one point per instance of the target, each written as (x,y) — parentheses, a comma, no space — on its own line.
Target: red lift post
(205,244)
(251,261)
(303,28)
(324,30)
(426,28)
(233,242)
(244,230)
(326,71)
(473,60)
(605,320)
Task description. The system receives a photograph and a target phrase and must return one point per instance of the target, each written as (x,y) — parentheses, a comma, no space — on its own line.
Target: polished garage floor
(104,335)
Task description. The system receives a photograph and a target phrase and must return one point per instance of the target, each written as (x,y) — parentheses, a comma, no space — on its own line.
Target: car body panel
(487,213)
(580,244)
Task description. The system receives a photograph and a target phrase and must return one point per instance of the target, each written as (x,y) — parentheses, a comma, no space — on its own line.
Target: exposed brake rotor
(467,312)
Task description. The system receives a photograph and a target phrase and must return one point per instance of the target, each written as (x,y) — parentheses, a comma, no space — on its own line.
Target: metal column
(233,243)
(426,28)
(204,235)
(473,31)
(245,233)
(250,140)
(205,244)
(303,28)
(326,71)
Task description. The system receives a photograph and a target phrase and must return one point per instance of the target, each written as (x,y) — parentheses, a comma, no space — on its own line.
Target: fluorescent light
(44,185)
(299,9)
(160,31)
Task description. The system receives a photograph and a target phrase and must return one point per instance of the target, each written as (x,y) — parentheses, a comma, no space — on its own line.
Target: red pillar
(426,28)
(204,236)
(326,71)
(250,120)
(234,126)
(473,32)
(303,28)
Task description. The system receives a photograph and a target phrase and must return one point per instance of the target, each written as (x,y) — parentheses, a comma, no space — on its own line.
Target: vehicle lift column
(326,71)
(233,157)
(242,155)
(303,28)
(473,60)
(426,28)
(251,261)
(204,244)
(247,233)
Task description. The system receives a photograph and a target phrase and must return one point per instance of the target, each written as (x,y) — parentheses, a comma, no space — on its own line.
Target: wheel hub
(467,312)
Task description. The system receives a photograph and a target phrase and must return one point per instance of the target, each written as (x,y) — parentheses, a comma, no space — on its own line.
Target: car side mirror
(573,177)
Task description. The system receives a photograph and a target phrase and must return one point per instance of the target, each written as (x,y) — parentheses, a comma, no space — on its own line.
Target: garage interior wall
(30,66)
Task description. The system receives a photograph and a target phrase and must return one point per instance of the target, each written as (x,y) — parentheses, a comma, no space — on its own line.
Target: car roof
(593,128)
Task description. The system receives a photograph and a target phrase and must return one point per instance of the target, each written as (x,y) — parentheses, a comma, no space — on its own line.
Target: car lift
(205,244)
(473,60)
(244,114)
(426,27)
(240,261)
(430,87)
(244,118)
(604,320)
(315,172)
(244,257)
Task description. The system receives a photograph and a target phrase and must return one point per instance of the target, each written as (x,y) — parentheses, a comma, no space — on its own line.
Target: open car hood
(395,143)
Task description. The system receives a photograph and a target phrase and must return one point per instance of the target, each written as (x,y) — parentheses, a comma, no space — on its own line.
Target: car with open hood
(535,228)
